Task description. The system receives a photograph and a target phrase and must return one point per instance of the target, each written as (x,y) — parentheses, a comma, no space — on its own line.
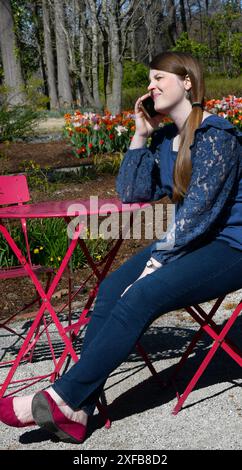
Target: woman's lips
(156,95)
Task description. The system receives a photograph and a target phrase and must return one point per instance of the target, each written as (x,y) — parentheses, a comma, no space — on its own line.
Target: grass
(221,86)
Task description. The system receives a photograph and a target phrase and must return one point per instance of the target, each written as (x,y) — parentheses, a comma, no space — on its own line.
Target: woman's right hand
(145,125)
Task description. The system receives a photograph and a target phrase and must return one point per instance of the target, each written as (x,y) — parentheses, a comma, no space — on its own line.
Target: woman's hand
(147,270)
(145,125)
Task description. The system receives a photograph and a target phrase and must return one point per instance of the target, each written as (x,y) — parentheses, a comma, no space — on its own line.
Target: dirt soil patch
(49,154)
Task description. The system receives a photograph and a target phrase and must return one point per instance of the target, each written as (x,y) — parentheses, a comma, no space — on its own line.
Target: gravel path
(141,410)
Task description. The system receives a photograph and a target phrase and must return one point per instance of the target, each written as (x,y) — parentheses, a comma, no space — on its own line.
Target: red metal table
(67,210)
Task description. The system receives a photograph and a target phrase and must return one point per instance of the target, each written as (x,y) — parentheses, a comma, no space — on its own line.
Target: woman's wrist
(138,142)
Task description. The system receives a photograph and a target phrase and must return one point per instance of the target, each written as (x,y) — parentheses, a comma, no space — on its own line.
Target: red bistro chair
(219,335)
(14,191)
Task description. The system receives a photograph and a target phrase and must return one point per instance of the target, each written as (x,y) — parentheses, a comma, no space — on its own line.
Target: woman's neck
(180,114)
(179,119)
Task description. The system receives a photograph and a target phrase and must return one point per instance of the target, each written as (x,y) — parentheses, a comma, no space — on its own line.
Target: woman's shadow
(163,343)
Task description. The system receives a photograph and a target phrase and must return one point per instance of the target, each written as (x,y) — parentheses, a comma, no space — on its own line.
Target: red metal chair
(14,191)
(219,335)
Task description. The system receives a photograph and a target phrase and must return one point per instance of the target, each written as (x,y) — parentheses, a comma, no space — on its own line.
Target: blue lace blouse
(212,206)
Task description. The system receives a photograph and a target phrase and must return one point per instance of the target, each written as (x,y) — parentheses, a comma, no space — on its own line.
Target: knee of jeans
(144,301)
(105,288)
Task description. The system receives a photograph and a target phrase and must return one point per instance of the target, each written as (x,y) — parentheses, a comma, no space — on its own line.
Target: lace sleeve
(215,170)
(139,175)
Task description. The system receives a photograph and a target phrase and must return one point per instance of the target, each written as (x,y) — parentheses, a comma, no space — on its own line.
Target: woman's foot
(59,418)
(16,411)
(78,416)
(22,408)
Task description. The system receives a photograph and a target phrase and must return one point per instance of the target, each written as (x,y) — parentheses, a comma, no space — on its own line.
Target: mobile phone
(147,105)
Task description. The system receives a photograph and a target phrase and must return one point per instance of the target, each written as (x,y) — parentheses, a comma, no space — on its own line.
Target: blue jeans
(210,271)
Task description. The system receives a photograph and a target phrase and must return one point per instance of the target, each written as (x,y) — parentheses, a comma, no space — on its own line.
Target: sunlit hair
(182,64)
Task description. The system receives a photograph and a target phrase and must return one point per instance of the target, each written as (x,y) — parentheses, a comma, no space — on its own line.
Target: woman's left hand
(154,265)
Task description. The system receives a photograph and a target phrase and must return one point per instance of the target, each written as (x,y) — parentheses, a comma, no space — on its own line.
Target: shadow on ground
(163,343)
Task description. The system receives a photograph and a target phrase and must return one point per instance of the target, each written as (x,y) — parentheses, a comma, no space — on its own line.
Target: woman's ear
(187,83)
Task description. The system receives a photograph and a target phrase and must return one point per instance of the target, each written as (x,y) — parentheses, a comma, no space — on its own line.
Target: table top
(70,208)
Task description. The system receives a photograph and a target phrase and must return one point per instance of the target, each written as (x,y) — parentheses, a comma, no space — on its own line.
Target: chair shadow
(148,394)
(42,351)
(163,343)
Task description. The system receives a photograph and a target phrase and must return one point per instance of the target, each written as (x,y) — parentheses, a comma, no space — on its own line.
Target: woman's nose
(151,86)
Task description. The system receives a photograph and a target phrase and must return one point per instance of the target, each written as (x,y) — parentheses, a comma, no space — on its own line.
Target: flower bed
(91,134)
(229,108)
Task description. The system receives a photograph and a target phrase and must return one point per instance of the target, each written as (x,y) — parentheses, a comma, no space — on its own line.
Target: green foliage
(37,177)
(134,74)
(218,87)
(185,44)
(225,40)
(16,122)
(109,164)
(230,48)
(130,96)
(34,95)
(48,244)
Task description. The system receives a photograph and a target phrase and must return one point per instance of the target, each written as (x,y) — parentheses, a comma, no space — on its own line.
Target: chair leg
(195,378)
(102,408)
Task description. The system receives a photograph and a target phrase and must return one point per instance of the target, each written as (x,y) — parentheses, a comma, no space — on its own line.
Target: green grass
(221,86)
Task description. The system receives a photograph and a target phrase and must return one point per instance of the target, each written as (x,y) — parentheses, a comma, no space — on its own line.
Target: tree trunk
(183,16)
(116,56)
(106,57)
(64,83)
(49,58)
(86,89)
(106,67)
(11,64)
(172,28)
(200,20)
(95,50)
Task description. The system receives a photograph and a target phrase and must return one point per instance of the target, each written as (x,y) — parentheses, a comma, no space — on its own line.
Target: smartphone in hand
(147,106)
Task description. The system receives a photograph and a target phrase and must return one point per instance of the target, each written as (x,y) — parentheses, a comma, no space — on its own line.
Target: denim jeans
(117,323)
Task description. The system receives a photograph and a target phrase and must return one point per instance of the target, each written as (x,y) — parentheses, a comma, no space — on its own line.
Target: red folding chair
(219,335)
(14,191)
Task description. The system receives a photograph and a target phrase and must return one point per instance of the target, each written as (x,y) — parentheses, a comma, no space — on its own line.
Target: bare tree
(87,89)
(115,39)
(118,16)
(49,57)
(95,50)
(11,62)
(172,24)
(64,83)
(183,15)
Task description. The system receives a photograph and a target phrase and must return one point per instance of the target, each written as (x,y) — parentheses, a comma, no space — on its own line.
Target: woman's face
(167,90)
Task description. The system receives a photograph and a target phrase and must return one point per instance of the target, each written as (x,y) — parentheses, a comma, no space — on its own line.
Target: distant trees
(78,48)
(11,62)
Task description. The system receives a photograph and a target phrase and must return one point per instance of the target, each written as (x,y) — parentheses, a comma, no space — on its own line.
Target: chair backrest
(13,190)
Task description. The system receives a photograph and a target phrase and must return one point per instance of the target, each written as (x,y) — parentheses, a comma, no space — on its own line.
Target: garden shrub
(16,122)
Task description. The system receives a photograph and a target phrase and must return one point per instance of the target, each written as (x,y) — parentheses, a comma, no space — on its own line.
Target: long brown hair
(182,64)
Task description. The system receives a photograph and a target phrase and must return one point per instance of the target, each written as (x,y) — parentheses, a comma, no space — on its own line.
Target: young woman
(196,161)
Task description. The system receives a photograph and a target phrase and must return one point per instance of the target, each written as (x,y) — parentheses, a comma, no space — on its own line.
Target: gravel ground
(140,410)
